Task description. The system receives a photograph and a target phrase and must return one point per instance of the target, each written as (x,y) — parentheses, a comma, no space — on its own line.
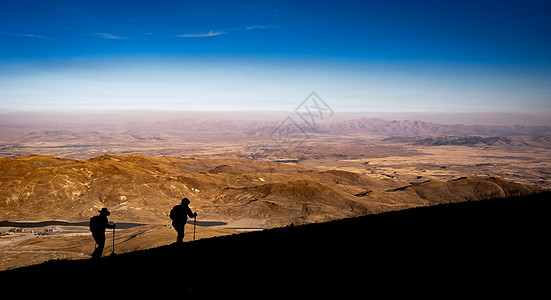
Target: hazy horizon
(59,118)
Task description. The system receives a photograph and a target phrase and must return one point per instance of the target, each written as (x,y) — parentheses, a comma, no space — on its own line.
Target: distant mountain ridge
(364,125)
(416,127)
(374,126)
(470,140)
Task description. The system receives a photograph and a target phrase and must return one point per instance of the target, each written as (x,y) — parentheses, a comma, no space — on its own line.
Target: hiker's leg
(100,240)
(180,230)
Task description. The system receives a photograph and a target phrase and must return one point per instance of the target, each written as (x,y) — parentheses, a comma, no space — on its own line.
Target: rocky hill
(490,247)
(137,188)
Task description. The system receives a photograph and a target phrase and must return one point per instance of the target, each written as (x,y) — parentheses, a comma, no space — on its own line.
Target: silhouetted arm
(190,213)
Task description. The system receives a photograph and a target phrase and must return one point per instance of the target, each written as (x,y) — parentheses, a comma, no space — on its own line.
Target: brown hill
(467,189)
(142,189)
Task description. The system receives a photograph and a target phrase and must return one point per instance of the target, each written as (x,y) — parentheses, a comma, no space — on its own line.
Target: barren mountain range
(363,125)
(143,189)
(416,127)
(189,135)
(249,175)
(519,151)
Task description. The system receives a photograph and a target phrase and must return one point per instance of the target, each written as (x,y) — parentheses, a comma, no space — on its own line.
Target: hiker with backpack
(98,224)
(179,215)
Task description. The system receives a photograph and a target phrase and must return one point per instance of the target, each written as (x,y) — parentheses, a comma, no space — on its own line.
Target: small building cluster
(46,231)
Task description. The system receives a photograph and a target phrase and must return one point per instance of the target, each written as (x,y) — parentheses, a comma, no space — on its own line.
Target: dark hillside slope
(496,246)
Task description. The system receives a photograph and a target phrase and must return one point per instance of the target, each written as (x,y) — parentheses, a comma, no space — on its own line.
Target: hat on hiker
(104,211)
(185,201)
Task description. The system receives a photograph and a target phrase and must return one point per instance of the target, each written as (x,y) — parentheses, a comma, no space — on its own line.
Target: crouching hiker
(178,215)
(98,224)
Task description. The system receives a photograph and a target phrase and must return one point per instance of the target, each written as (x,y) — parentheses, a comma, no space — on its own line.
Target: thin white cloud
(30,35)
(108,36)
(215,33)
(210,33)
(260,27)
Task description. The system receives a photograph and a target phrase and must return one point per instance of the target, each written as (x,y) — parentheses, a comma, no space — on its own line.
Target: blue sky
(419,56)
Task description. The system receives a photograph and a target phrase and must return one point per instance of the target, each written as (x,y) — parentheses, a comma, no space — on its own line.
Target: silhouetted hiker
(178,215)
(98,224)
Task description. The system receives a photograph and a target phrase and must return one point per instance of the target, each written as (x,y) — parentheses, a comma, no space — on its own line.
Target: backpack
(174,213)
(178,214)
(94,223)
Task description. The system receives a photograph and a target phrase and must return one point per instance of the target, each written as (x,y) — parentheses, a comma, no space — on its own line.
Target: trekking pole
(113,241)
(194,223)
